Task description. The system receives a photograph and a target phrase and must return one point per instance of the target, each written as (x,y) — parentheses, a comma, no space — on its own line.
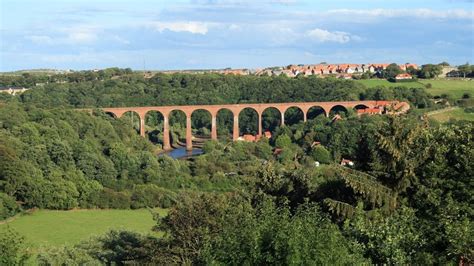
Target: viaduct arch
(235,109)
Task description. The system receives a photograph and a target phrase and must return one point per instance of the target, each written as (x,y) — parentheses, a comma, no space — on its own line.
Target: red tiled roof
(267,134)
(248,137)
(403,76)
(277,151)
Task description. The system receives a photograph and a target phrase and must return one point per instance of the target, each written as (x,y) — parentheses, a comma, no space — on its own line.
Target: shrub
(469,110)
(152,196)
(12,248)
(8,206)
(283,141)
(108,198)
(321,154)
(66,256)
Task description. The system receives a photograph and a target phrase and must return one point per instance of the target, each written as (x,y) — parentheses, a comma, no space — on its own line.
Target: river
(182,152)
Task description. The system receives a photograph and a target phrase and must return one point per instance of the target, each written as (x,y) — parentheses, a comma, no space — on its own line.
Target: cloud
(321,35)
(40,39)
(81,37)
(234,27)
(76,35)
(420,13)
(193,27)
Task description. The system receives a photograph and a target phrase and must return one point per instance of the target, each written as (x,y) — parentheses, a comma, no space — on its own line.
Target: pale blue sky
(196,34)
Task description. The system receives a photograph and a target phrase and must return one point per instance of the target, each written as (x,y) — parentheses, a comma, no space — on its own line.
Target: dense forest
(285,200)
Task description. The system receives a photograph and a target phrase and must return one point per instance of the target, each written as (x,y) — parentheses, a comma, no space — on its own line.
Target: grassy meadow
(453,88)
(49,228)
(449,114)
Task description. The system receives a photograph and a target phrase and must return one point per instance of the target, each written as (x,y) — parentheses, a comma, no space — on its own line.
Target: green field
(383,82)
(456,113)
(47,228)
(453,88)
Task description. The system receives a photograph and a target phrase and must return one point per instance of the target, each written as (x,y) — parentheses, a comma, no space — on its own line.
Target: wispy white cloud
(40,39)
(75,35)
(193,27)
(234,27)
(420,13)
(321,35)
(81,37)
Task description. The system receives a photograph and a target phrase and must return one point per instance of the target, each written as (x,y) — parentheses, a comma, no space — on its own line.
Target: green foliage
(430,71)
(283,141)
(8,206)
(12,248)
(391,71)
(152,196)
(466,70)
(189,225)
(402,146)
(218,230)
(63,159)
(65,256)
(391,240)
(121,247)
(321,154)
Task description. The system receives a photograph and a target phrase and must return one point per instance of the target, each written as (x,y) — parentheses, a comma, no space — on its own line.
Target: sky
(200,34)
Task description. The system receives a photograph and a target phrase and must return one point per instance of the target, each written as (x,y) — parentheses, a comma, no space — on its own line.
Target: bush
(283,141)
(466,102)
(8,206)
(66,256)
(321,154)
(108,198)
(428,86)
(152,196)
(466,95)
(469,110)
(12,248)
(121,248)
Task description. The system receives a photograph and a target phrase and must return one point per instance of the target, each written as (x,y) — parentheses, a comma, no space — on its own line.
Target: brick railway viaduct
(236,109)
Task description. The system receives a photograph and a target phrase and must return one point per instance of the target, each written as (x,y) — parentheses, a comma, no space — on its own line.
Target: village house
(328,69)
(405,67)
(346,162)
(403,76)
(267,134)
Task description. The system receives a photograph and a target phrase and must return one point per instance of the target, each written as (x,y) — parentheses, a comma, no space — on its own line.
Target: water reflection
(182,152)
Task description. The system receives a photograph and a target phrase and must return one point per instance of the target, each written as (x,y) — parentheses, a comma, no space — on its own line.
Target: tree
(430,71)
(283,141)
(465,69)
(121,247)
(391,71)
(8,206)
(402,146)
(321,154)
(412,71)
(390,240)
(12,248)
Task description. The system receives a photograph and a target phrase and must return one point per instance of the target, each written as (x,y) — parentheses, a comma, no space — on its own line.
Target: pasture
(454,88)
(453,113)
(50,228)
